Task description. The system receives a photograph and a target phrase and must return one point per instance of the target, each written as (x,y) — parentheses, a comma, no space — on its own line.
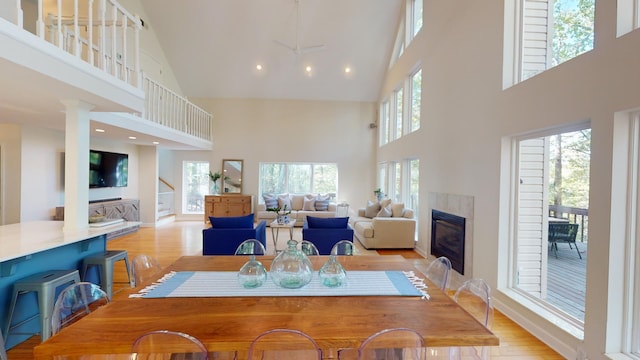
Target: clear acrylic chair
(438,272)
(344,247)
(392,344)
(145,268)
(308,248)
(279,344)
(74,302)
(251,247)
(474,295)
(169,345)
(3,352)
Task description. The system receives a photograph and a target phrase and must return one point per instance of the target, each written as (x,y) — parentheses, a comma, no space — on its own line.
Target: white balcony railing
(165,107)
(106,36)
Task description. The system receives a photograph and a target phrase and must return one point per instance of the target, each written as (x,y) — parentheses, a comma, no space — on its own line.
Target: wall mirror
(231,176)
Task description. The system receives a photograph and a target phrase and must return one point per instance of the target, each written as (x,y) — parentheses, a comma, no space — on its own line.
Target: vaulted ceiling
(214,46)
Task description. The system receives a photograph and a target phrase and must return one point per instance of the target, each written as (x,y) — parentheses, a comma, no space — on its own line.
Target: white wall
(42,173)
(466,115)
(131,190)
(152,58)
(297,131)
(33,172)
(10,140)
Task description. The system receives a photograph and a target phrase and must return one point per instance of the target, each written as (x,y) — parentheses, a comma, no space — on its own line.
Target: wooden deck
(567,278)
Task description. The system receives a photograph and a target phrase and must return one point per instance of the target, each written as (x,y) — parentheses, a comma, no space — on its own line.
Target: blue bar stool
(105,261)
(44,284)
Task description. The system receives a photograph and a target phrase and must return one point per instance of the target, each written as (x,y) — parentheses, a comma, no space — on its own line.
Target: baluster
(123,59)
(40,22)
(76,30)
(60,24)
(114,34)
(136,52)
(17,16)
(90,33)
(102,61)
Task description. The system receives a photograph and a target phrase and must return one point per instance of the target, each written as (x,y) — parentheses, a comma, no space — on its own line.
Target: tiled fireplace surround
(460,205)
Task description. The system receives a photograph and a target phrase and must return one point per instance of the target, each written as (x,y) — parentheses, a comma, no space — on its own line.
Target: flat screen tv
(107,169)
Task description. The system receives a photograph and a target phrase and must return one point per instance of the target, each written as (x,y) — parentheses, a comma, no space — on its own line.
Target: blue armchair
(324,233)
(227,233)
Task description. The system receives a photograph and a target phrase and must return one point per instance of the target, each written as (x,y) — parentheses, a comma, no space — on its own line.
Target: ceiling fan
(296,48)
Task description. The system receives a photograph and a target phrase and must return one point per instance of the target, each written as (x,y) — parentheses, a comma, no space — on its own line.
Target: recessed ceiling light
(308,69)
(258,67)
(132,137)
(99,130)
(347,70)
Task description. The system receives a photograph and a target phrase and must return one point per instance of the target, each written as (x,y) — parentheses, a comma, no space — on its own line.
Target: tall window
(382,177)
(298,178)
(624,241)
(413,167)
(398,102)
(551,217)
(553,31)
(416,17)
(395,181)
(384,123)
(628,16)
(415,87)
(195,185)
(410,25)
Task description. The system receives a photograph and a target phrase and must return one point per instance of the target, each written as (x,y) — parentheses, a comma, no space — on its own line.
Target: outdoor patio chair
(563,232)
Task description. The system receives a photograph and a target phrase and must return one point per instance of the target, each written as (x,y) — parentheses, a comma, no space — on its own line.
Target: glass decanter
(332,273)
(291,268)
(252,274)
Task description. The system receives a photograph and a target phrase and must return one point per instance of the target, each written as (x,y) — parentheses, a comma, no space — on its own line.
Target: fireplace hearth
(448,238)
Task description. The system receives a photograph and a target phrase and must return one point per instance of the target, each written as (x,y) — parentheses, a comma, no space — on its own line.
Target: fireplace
(447,238)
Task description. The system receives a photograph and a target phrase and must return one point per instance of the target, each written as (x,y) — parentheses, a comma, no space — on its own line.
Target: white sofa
(381,232)
(298,211)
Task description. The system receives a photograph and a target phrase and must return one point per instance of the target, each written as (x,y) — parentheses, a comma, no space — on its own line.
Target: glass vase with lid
(291,268)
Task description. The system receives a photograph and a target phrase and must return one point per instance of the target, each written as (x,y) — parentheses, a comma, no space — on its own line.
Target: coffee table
(275,230)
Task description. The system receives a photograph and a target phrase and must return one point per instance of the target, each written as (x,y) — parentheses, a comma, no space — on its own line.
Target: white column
(76,165)
(148,165)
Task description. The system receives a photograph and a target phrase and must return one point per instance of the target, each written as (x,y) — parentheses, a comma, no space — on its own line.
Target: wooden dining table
(231,323)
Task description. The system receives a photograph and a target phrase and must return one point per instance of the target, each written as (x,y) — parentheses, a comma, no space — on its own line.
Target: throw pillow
(309,204)
(232,222)
(327,223)
(270,201)
(372,209)
(397,209)
(385,202)
(297,201)
(384,212)
(283,200)
(322,203)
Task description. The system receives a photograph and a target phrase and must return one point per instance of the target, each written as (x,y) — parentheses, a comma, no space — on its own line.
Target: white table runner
(225,284)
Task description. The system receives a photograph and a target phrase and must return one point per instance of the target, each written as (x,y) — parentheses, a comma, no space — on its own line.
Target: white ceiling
(213,46)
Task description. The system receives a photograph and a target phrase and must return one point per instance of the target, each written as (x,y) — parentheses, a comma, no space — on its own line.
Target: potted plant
(379,194)
(214,177)
(281,214)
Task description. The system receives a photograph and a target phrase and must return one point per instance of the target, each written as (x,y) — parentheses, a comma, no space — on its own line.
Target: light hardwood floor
(170,241)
